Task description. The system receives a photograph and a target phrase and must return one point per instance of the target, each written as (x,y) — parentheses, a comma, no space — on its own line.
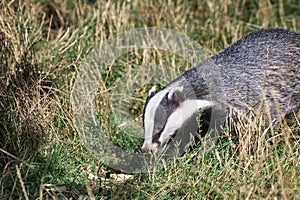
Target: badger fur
(265,60)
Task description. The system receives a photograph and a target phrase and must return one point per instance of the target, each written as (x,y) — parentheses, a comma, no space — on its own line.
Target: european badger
(265,60)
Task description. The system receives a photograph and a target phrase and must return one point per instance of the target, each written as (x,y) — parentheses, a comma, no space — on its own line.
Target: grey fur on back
(265,60)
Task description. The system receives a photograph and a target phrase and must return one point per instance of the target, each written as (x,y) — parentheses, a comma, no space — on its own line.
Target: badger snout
(150,148)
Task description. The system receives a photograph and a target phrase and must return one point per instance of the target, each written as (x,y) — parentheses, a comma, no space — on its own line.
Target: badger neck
(194,87)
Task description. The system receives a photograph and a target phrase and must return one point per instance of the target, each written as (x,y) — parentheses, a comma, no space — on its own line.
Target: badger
(261,66)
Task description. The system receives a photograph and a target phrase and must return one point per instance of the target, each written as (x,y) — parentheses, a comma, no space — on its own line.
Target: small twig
(89,190)
(21,182)
(9,154)
(14,157)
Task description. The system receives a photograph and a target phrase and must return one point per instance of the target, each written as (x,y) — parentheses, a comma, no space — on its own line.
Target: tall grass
(43,43)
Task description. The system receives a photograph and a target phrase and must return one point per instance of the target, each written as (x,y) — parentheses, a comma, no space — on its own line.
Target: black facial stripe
(156,136)
(167,105)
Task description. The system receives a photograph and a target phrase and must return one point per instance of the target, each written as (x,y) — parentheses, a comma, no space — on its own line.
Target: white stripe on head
(180,115)
(149,115)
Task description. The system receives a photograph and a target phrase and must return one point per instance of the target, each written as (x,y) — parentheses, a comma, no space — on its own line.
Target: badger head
(165,112)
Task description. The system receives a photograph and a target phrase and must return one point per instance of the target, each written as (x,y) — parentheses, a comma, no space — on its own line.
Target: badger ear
(176,95)
(152,92)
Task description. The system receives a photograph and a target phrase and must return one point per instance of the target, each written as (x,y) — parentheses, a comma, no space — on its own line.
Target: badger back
(263,66)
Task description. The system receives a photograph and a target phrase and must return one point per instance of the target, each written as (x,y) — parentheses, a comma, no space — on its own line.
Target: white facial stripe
(180,115)
(149,115)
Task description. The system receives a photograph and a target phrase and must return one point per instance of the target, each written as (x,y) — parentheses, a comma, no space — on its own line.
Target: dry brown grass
(25,103)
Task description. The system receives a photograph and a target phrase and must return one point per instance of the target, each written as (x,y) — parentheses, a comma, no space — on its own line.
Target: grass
(42,47)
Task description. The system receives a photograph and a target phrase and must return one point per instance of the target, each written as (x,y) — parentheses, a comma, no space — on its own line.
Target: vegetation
(42,156)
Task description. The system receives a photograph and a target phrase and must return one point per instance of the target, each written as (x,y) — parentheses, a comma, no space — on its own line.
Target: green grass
(42,47)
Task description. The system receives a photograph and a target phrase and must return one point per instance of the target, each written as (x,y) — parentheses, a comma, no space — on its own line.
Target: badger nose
(145,150)
(149,148)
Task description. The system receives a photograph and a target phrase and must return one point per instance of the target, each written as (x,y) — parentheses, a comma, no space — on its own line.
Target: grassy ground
(42,46)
